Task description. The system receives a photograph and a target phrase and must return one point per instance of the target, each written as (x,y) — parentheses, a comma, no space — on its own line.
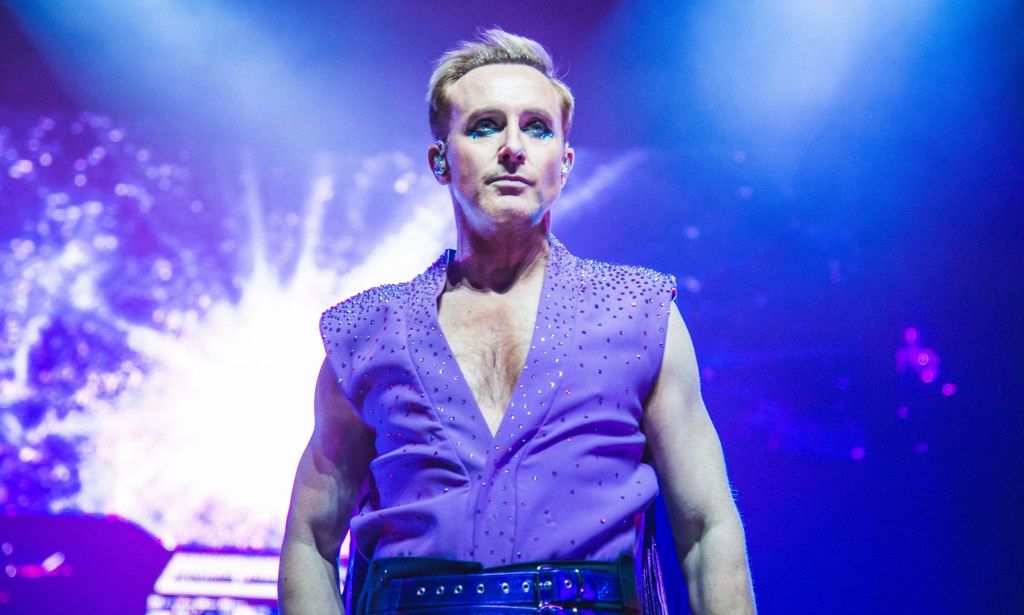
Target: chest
(489,336)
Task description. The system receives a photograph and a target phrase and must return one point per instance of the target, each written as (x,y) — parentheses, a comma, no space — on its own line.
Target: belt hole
(420,591)
(568,584)
(480,588)
(526,586)
(440,590)
(504,588)
(458,589)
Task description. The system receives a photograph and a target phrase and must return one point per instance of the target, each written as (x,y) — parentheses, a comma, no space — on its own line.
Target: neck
(497,261)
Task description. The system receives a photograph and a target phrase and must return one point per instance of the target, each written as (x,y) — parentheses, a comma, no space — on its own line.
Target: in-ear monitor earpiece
(440,164)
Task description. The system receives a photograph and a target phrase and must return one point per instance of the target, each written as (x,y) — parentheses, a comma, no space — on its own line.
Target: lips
(510,178)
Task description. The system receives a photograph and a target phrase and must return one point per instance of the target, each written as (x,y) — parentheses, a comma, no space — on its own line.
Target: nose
(512,154)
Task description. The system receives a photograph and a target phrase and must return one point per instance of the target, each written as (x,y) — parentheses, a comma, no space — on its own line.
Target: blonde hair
(494,46)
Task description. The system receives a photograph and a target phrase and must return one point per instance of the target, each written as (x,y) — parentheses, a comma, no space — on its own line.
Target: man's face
(505,149)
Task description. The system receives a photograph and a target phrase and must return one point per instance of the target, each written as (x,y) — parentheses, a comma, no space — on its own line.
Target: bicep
(683,443)
(332,467)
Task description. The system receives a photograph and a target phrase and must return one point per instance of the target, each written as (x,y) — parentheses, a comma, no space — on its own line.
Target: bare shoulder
(684,444)
(331,468)
(336,423)
(677,388)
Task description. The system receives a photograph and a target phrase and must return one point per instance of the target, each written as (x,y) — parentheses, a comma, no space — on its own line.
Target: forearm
(308,582)
(716,570)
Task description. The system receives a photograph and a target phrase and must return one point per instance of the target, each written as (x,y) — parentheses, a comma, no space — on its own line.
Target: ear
(568,159)
(437,162)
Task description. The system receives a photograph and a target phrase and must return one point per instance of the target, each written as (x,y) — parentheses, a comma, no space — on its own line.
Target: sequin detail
(563,477)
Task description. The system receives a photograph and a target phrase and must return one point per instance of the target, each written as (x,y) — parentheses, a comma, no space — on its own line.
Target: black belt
(543,588)
(548,586)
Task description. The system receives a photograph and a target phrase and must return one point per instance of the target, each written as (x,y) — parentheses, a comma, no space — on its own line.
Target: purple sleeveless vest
(563,478)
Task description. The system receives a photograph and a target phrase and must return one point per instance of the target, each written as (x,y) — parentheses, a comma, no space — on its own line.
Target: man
(504,412)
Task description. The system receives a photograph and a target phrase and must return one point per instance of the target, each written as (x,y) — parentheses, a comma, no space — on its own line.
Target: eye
(483,128)
(539,129)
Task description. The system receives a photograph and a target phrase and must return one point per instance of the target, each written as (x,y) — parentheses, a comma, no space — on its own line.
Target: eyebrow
(475,115)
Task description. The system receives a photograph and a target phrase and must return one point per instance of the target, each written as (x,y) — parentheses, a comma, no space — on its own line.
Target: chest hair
(490,336)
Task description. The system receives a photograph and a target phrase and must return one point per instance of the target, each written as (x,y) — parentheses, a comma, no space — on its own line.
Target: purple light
(858,453)
(912,356)
(902,412)
(921,448)
(949,389)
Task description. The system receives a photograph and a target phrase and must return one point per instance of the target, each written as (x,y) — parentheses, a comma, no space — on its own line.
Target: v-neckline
(446,261)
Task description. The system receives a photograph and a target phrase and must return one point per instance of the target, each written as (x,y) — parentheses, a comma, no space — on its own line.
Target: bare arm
(688,457)
(327,482)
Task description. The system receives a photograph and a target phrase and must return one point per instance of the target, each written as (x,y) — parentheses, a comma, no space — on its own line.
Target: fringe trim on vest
(652,588)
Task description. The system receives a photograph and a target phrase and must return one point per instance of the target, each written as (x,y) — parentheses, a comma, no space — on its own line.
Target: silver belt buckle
(544,589)
(547,590)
